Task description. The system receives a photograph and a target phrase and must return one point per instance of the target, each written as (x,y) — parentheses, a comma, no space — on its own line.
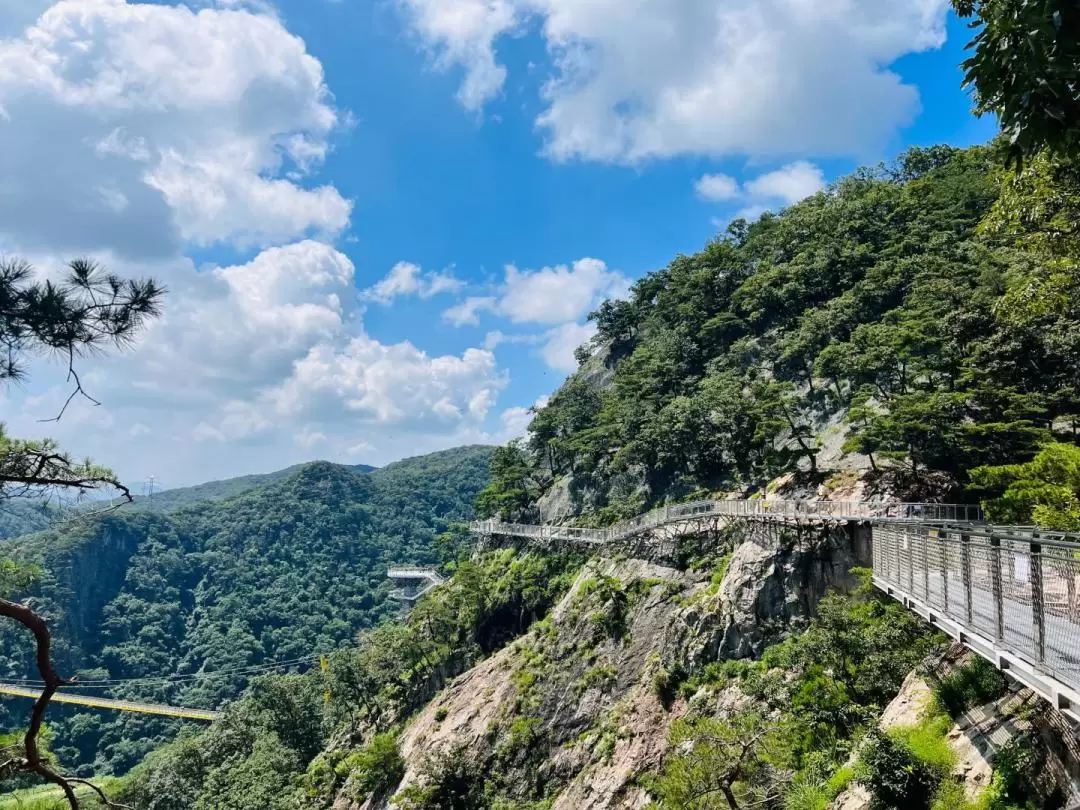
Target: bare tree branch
(32,760)
(72,375)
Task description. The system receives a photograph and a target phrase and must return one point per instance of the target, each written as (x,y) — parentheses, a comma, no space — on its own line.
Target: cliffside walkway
(1009,593)
(115,705)
(416,581)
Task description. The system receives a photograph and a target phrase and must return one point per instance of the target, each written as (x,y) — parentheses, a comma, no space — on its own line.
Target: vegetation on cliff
(922,314)
(285,572)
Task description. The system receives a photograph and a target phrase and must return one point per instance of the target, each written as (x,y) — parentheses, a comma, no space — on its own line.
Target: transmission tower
(149,486)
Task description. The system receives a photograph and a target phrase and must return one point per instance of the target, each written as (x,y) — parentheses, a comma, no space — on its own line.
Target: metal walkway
(115,705)
(417,582)
(1007,592)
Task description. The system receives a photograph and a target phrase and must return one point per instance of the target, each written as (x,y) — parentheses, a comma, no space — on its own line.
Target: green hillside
(287,570)
(901,315)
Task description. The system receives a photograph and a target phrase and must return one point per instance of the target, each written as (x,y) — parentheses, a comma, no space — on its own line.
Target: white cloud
(717,187)
(259,365)
(406,278)
(462,32)
(468,311)
(515,422)
(389,384)
(560,293)
(658,78)
(135,128)
(751,213)
(792,183)
(133,131)
(784,186)
(550,295)
(562,341)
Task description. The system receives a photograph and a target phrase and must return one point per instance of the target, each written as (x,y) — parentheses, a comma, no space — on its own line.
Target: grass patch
(975,684)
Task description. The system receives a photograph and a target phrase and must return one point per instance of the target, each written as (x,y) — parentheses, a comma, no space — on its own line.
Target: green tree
(88,310)
(1023,69)
(1045,490)
(513,485)
(720,763)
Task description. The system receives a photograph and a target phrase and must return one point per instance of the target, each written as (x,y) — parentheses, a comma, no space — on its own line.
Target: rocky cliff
(576,711)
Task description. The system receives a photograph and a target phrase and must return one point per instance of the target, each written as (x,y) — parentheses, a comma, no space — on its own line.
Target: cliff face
(575,711)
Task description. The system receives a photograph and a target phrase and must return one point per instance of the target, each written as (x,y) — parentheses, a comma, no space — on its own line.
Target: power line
(177,679)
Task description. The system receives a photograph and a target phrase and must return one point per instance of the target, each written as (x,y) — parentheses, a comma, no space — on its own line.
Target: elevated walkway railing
(943,513)
(1009,593)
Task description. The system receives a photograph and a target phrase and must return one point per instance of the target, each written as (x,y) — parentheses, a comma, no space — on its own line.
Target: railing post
(965,561)
(944,569)
(910,552)
(925,566)
(1038,605)
(995,584)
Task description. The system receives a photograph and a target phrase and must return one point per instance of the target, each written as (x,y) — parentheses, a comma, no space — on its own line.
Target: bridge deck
(115,705)
(1007,592)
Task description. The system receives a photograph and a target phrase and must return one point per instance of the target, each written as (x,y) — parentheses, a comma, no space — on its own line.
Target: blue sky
(333,192)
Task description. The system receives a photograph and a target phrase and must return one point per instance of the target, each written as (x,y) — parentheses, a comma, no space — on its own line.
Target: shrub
(452,779)
(807,797)
(927,743)
(894,776)
(666,683)
(972,685)
(375,769)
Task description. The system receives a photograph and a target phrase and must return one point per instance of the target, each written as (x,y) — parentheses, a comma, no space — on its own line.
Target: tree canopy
(1023,68)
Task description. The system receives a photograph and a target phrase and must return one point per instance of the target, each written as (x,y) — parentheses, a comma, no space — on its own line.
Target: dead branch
(32,760)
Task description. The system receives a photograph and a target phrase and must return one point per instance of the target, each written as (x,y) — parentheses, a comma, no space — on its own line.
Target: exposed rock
(775,578)
(585,677)
(912,703)
(557,504)
(854,798)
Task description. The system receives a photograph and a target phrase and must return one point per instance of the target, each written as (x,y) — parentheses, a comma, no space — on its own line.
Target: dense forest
(901,325)
(284,572)
(920,316)
(911,331)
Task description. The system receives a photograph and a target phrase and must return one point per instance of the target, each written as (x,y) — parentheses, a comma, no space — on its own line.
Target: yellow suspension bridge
(72,693)
(115,705)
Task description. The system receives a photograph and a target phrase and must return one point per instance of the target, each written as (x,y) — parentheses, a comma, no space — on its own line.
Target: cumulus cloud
(463,32)
(136,128)
(658,78)
(515,422)
(406,278)
(560,293)
(792,183)
(245,354)
(717,187)
(561,342)
(550,295)
(467,312)
(784,186)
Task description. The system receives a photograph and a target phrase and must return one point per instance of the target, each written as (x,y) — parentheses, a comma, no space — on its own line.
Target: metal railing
(943,513)
(1009,592)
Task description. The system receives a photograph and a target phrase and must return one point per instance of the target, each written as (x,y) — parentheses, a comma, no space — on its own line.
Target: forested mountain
(911,314)
(288,570)
(912,331)
(19,516)
(169,499)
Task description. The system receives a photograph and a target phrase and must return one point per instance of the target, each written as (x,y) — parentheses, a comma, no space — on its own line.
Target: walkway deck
(1008,592)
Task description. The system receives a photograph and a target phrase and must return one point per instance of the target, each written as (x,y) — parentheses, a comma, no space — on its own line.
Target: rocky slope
(576,711)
